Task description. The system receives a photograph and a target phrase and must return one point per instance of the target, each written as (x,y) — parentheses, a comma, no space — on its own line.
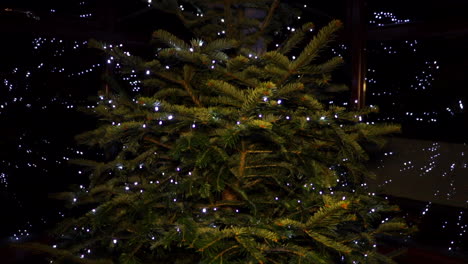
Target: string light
(430,167)
(387,18)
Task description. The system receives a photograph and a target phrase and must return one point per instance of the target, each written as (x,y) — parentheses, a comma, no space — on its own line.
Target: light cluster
(437,163)
(432,166)
(393,94)
(84,10)
(340,50)
(3,180)
(21,234)
(92,68)
(425,77)
(37,154)
(386,18)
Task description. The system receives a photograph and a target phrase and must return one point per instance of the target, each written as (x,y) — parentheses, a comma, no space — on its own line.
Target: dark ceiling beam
(418,31)
(356,35)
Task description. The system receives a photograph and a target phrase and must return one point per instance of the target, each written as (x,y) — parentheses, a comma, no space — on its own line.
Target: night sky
(418,79)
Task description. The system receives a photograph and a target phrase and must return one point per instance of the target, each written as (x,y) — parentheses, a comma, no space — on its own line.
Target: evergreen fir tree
(228,157)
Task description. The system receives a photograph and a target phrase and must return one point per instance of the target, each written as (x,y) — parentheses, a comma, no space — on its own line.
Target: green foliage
(230,158)
(317,44)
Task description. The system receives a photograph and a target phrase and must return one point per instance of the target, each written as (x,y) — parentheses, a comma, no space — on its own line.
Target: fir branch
(259,151)
(312,49)
(220,100)
(329,242)
(231,159)
(249,245)
(290,88)
(168,77)
(59,253)
(328,215)
(237,63)
(277,58)
(170,39)
(242,160)
(167,92)
(220,255)
(220,44)
(191,92)
(391,227)
(330,65)
(152,140)
(227,89)
(292,42)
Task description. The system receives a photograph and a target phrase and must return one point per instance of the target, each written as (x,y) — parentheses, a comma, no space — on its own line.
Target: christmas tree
(227,155)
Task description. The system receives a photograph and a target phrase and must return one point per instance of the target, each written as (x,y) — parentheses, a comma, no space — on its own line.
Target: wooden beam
(356,32)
